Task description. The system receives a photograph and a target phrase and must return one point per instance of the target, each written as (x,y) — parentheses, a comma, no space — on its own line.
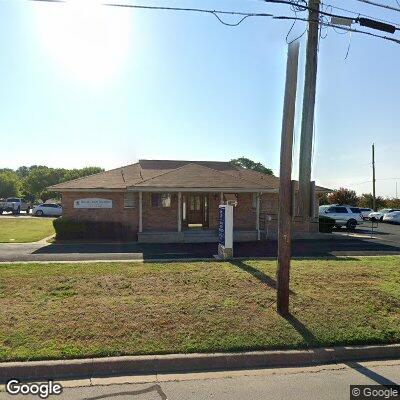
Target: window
(355,210)
(129,200)
(195,203)
(161,200)
(341,210)
(254,204)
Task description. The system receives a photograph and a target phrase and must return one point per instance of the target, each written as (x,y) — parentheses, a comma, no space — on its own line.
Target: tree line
(30,183)
(347,196)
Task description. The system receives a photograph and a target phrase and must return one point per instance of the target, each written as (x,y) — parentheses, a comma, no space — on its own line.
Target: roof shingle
(170,174)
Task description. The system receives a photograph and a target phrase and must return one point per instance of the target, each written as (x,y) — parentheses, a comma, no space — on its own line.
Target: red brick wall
(244,215)
(117,213)
(166,219)
(213,213)
(159,218)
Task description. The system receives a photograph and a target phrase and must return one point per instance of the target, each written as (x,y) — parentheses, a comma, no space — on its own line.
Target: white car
(365,212)
(392,217)
(378,215)
(347,216)
(47,209)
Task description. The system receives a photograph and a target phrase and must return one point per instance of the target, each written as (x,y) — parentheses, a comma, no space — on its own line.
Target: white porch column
(140,212)
(179,211)
(258,215)
(221,198)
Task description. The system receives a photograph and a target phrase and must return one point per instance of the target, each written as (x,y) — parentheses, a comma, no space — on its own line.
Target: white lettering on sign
(93,203)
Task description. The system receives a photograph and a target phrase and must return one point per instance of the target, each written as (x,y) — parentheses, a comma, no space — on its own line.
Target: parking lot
(381,231)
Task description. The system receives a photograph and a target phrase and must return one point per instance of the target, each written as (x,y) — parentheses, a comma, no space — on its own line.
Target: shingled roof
(170,174)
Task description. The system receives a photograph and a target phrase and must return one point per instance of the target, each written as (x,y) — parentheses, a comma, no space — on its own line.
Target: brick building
(177,201)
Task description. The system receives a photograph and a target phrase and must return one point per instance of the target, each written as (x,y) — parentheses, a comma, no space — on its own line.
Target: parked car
(47,209)
(392,217)
(378,215)
(365,212)
(14,205)
(343,215)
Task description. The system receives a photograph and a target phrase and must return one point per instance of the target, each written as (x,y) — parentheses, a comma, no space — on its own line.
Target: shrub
(326,224)
(67,229)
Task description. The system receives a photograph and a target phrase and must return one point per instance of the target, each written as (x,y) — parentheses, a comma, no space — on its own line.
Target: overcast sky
(82,84)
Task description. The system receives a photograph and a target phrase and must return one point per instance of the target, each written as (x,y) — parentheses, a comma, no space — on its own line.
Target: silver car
(392,217)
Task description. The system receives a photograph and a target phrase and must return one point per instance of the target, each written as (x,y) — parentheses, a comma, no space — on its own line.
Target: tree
(322,198)
(254,166)
(39,179)
(393,203)
(366,201)
(9,184)
(343,196)
(80,173)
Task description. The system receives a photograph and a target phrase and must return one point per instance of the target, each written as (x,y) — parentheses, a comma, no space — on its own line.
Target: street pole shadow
(261,276)
(307,335)
(153,388)
(381,380)
(312,341)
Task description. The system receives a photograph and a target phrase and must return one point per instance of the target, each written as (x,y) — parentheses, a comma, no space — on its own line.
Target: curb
(175,363)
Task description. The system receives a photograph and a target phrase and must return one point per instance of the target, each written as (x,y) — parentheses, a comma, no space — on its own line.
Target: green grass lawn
(104,309)
(23,230)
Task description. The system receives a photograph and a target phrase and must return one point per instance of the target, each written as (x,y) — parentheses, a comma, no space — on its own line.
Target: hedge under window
(129,200)
(161,200)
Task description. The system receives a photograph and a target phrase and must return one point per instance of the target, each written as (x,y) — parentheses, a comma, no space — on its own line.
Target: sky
(87,85)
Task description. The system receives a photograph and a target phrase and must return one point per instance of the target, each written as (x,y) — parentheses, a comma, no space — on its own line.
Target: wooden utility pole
(285,185)
(307,123)
(373,178)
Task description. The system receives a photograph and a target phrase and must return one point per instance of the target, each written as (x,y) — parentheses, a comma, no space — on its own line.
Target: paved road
(329,382)
(386,241)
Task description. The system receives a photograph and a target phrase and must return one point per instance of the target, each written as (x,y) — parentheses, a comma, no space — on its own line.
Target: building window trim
(160,200)
(129,200)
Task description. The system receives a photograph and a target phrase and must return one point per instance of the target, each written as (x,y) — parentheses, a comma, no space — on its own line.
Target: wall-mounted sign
(93,203)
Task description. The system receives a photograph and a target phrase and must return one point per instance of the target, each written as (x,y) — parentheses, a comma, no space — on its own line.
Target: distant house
(177,201)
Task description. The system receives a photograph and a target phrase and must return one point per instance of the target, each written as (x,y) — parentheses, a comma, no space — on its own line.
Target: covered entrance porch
(192,216)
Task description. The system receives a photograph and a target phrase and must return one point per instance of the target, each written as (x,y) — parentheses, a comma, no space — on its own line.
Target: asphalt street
(330,382)
(383,241)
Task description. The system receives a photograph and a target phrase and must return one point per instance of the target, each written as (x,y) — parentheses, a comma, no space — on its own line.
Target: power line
(373,3)
(360,14)
(365,182)
(303,7)
(391,39)
(244,15)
